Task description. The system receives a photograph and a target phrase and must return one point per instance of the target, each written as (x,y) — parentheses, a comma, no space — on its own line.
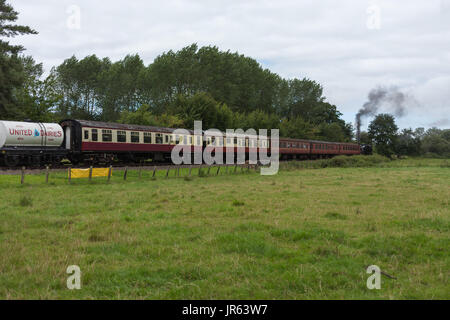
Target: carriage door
(68,137)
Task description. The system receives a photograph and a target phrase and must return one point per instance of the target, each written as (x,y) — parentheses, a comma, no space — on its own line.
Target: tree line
(384,134)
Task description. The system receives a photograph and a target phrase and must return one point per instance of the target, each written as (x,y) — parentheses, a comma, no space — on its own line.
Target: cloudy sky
(349,46)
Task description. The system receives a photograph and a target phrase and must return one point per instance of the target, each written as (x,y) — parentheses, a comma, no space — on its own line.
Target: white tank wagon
(30,134)
(30,143)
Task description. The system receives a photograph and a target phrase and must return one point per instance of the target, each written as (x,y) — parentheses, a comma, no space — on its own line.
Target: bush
(25,201)
(445,164)
(337,162)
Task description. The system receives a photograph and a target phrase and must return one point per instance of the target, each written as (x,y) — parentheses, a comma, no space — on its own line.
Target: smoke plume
(391,98)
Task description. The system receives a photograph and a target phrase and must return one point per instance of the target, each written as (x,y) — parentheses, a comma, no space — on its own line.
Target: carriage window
(177,139)
(121,136)
(199,140)
(134,137)
(185,140)
(94,135)
(86,134)
(190,140)
(147,137)
(159,138)
(166,138)
(106,135)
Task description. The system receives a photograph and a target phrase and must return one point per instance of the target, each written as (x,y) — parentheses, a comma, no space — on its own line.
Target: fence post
(190,169)
(209,169)
(199,170)
(70,174)
(22,178)
(140,172)
(167,173)
(109,173)
(218,169)
(178,171)
(90,173)
(235,168)
(154,171)
(125,173)
(46,174)
(226,169)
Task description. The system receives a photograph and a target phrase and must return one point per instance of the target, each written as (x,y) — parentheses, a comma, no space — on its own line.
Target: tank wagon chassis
(92,142)
(13,157)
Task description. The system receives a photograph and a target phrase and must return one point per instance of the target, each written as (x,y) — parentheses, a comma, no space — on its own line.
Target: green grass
(302,234)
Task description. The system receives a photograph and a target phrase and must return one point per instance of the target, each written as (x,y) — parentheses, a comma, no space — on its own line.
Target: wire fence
(141,172)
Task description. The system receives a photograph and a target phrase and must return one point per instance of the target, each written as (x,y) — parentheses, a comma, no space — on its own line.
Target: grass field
(302,234)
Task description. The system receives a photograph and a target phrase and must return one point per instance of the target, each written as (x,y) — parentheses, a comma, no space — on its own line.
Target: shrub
(238,203)
(337,162)
(25,201)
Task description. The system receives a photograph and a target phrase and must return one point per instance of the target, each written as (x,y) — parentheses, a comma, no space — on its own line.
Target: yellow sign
(84,173)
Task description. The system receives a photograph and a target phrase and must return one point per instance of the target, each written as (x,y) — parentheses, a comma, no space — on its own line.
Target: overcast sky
(348,46)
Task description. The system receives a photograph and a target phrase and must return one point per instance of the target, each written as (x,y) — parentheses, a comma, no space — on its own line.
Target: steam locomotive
(93,142)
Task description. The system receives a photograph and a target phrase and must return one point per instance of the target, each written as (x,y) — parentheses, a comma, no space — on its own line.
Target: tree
(304,99)
(436,142)
(383,132)
(408,143)
(144,116)
(200,106)
(11,69)
(364,138)
(37,98)
(331,132)
(297,128)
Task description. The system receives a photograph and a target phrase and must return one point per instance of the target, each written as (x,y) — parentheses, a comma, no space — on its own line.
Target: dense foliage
(12,67)
(223,89)
(383,133)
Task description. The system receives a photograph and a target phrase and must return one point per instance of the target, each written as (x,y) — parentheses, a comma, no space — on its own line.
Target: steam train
(93,142)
